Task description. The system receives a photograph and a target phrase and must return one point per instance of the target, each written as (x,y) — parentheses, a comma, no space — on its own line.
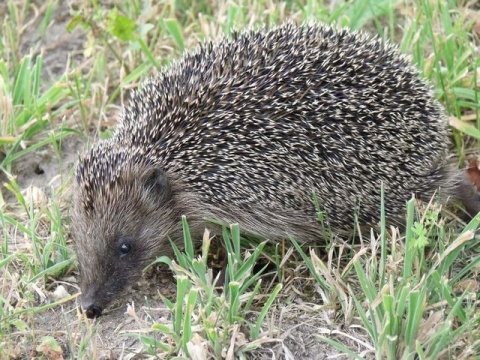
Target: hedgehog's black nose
(93,311)
(90,302)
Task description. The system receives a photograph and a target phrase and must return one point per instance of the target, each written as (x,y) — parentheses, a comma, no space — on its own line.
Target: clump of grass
(28,106)
(407,299)
(28,270)
(451,62)
(209,319)
(45,229)
(27,113)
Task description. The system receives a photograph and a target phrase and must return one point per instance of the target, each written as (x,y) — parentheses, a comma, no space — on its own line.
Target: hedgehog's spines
(304,97)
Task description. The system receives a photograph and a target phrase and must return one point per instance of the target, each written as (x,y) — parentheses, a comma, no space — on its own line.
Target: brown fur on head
(121,230)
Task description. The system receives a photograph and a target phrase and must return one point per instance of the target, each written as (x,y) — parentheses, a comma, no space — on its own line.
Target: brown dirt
(293,328)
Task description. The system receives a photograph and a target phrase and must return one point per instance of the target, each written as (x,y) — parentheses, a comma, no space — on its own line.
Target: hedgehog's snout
(89,306)
(93,311)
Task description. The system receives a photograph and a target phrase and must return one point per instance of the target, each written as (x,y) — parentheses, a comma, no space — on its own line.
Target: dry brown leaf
(472,171)
(470,285)
(430,326)
(50,348)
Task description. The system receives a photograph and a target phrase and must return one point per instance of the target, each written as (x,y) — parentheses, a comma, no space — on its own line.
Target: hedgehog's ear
(155,183)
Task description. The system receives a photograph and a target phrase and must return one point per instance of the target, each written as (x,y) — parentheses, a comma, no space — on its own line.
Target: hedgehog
(247,130)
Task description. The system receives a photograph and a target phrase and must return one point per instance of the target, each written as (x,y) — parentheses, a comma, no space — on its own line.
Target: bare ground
(292,328)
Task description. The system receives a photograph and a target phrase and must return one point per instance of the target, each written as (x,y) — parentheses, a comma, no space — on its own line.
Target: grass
(390,295)
(209,315)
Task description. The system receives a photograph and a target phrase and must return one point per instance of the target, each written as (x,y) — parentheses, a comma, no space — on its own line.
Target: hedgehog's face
(120,229)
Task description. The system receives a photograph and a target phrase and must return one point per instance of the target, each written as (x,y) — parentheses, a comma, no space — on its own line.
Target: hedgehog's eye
(124,249)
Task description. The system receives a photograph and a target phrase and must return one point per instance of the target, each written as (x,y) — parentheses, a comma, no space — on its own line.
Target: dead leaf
(49,348)
(469,285)
(472,171)
(430,326)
